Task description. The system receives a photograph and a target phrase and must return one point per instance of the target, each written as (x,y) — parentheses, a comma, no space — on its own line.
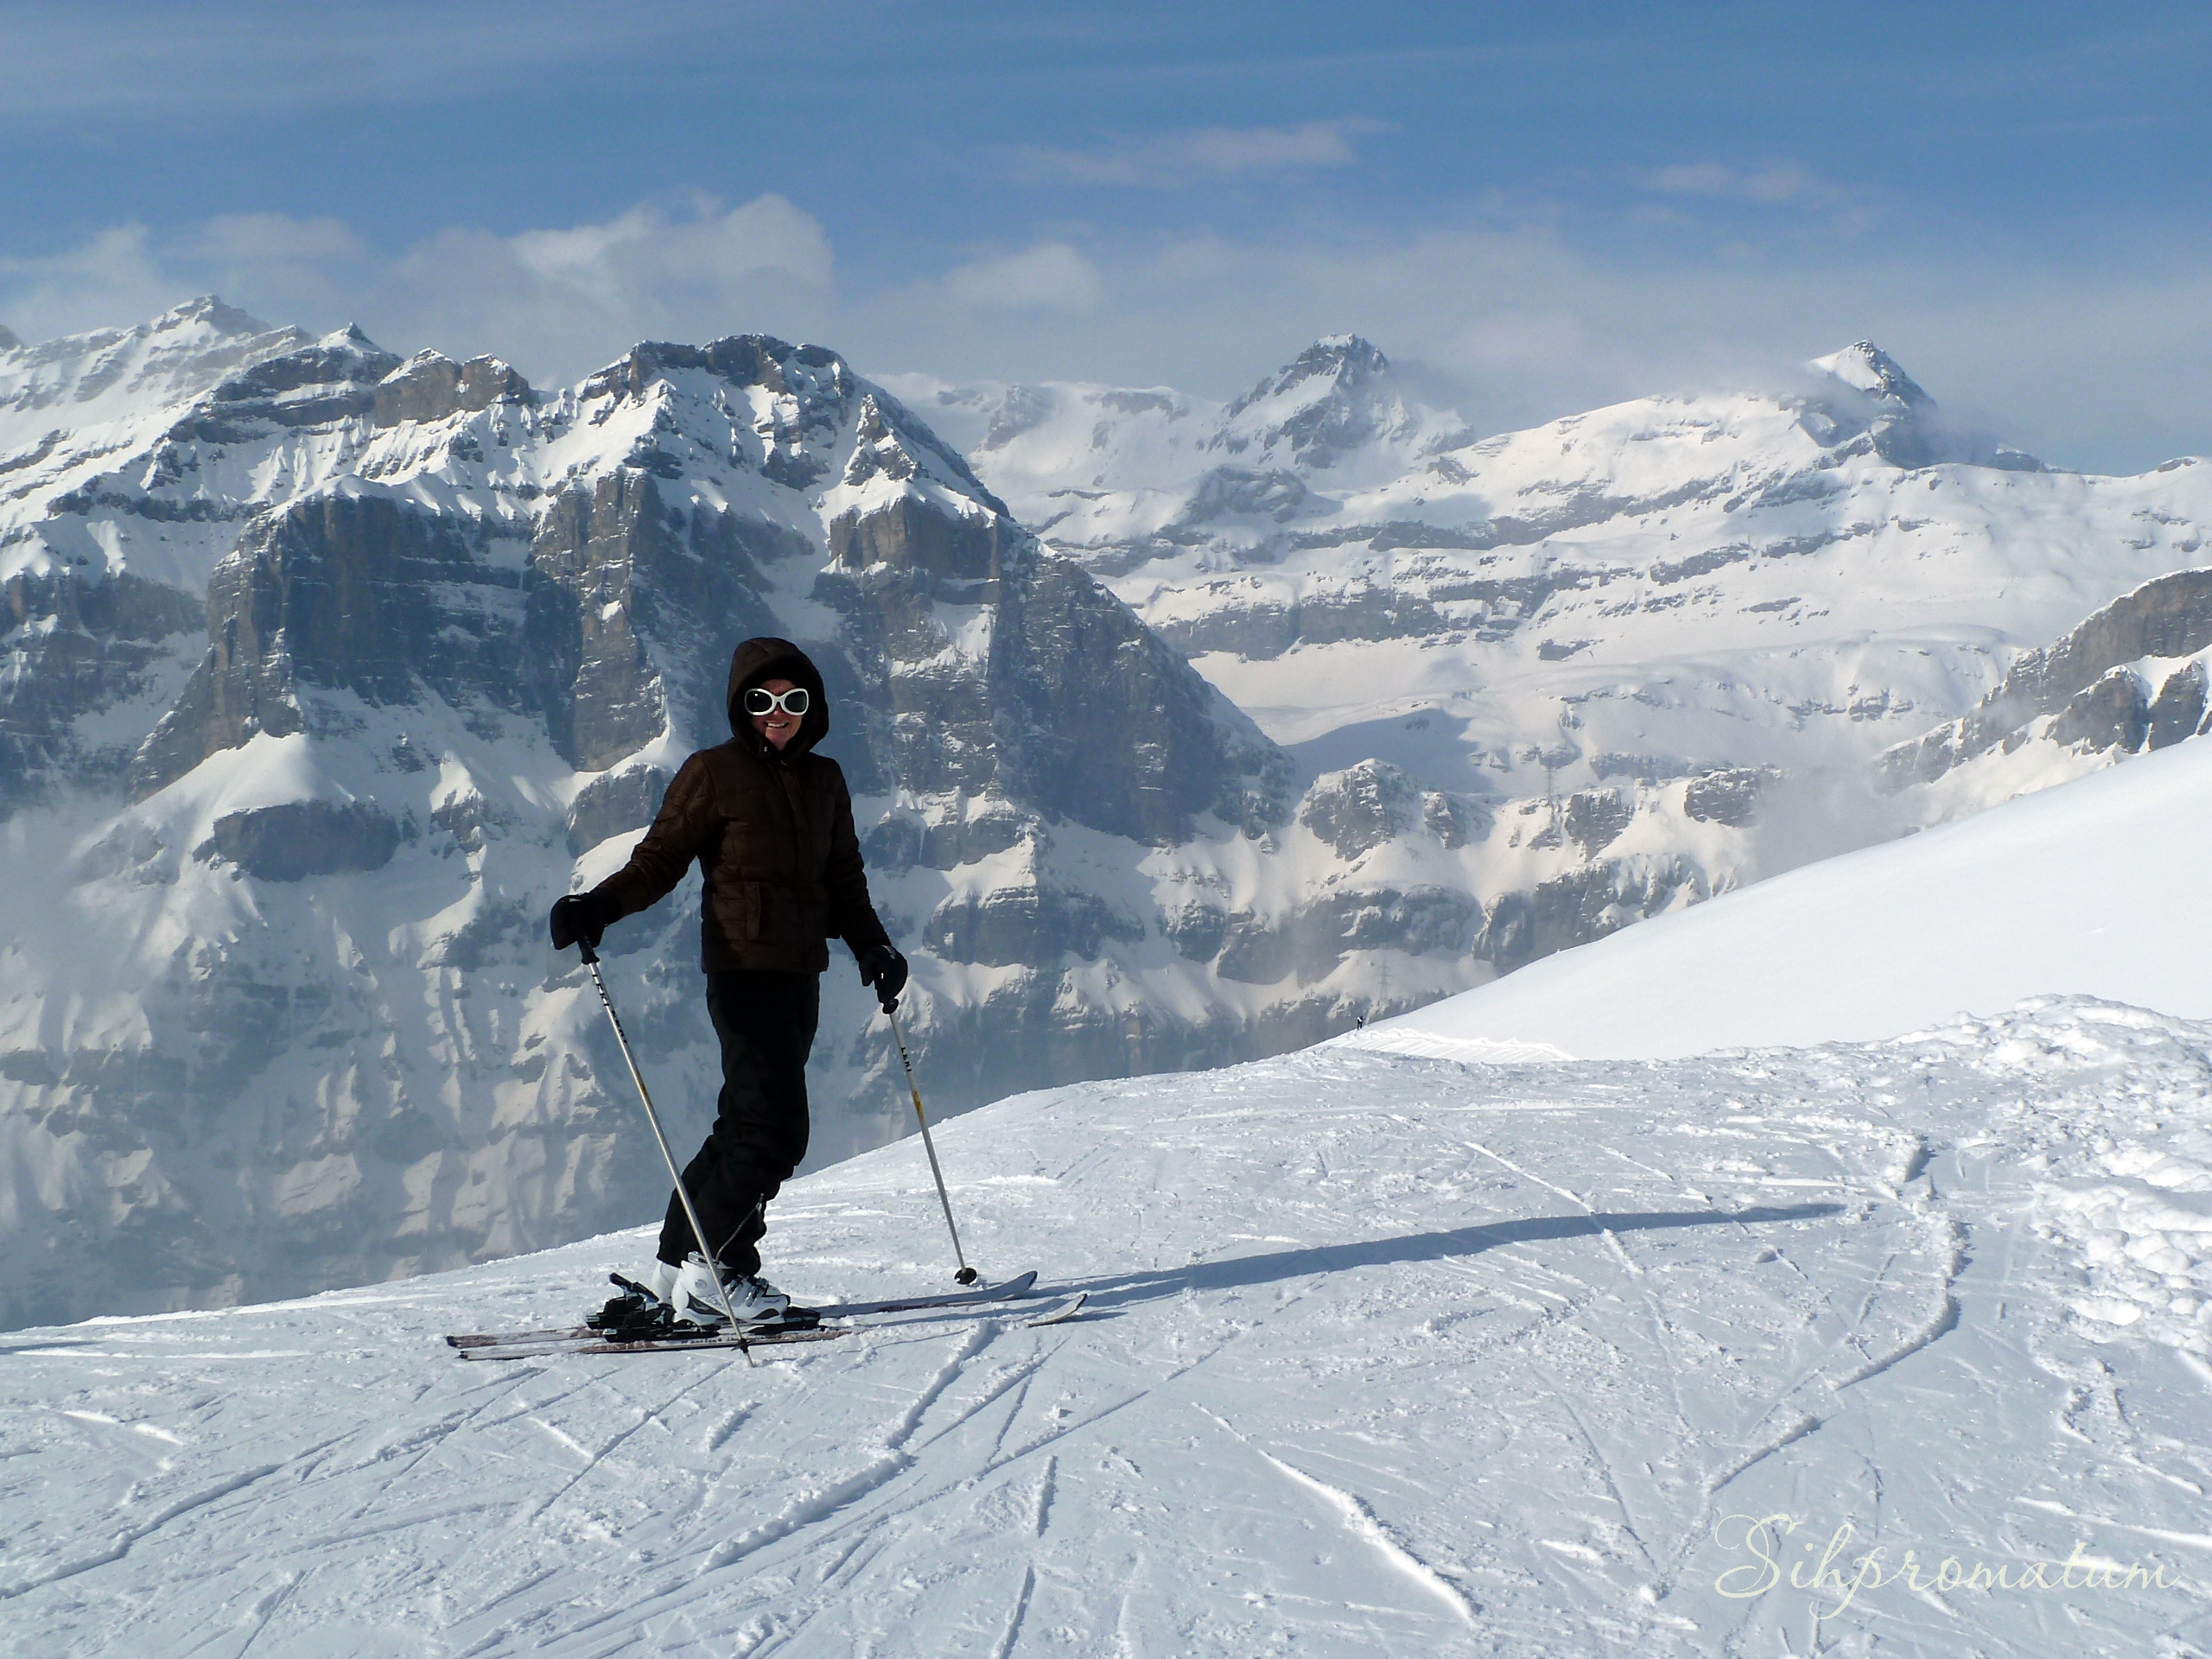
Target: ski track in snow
(1362,1520)
(1384,1354)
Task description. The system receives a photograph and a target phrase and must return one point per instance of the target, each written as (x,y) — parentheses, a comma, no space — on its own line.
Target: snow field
(1384,1354)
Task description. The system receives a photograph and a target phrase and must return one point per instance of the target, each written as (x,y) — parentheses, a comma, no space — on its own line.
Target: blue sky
(1534,209)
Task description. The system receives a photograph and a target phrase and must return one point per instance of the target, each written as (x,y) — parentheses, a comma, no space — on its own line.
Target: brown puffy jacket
(771,831)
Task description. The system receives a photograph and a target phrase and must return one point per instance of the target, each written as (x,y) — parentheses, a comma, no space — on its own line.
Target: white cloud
(647,248)
(1772,186)
(113,278)
(248,239)
(556,303)
(1845,209)
(296,269)
(1051,276)
(1204,155)
(2089,365)
(1776,184)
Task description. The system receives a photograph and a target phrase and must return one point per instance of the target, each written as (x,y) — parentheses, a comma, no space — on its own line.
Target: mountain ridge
(1746,528)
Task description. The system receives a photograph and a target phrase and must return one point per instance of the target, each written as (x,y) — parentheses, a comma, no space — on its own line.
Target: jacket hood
(770,658)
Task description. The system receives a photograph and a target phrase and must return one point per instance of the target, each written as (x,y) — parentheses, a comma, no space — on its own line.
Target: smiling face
(778,727)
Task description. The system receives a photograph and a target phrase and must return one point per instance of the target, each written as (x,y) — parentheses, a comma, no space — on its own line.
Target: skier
(769,824)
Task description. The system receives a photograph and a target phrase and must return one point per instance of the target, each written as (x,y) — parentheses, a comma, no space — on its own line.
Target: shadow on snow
(1242,1271)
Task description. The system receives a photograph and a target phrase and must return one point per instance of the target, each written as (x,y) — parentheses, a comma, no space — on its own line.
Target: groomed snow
(1385,1354)
(2098,887)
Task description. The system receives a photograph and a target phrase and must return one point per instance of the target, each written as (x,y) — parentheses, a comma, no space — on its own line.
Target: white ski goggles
(759,700)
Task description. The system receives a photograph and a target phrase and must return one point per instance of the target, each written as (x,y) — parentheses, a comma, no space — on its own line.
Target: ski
(1004,1292)
(1007,1291)
(527,1346)
(1063,1312)
(549,1348)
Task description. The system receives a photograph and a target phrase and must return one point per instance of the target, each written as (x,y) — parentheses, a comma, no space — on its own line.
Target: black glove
(886,969)
(579,919)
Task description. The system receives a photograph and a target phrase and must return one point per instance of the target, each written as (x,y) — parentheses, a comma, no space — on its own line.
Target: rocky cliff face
(79,648)
(127,463)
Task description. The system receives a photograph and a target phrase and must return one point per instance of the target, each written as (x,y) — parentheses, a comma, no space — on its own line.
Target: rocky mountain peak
(183,354)
(1876,406)
(8,341)
(314,381)
(815,375)
(1865,366)
(209,311)
(1342,361)
(1338,395)
(1341,366)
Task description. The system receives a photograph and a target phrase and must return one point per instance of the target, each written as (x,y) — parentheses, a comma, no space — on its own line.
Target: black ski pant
(765,1022)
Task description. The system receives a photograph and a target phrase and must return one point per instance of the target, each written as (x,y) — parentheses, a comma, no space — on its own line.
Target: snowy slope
(80,383)
(2098,887)
(1107,464)
(1386,1355)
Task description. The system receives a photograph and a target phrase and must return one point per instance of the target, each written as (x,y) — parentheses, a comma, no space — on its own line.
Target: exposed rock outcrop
(2087,686)
(613,803)
(298,839)
(431,386)
(1730,795)
(1359,809)
(1588,904)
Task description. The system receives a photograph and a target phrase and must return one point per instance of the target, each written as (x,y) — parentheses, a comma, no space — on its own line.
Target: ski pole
(967,1274)
(706,1250)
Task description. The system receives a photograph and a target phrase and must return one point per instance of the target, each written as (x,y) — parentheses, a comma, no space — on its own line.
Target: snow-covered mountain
(328,669)
(1105,468)
(1665,648)
(1383,1354)
(1584,622)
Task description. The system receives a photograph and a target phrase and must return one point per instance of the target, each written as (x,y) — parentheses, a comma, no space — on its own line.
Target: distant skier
(770,824)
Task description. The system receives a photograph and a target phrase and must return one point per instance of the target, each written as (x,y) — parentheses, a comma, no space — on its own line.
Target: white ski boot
(753,1298)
